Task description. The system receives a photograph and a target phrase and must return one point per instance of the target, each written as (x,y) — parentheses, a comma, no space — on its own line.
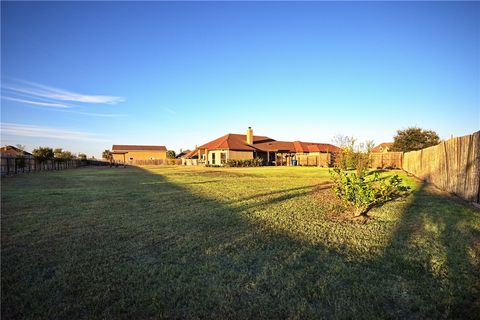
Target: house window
(213,157)
(223,157)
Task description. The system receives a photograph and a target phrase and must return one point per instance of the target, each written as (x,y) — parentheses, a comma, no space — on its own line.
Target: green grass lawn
(185,242)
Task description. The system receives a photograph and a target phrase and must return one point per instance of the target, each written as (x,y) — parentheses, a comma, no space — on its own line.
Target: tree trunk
(361,211)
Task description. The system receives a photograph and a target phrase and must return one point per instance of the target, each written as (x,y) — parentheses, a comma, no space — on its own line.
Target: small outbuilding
(132,153)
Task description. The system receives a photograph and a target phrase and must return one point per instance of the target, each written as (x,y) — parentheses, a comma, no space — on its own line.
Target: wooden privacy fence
(386,160)
(321,160)
(11,164)
(452,165)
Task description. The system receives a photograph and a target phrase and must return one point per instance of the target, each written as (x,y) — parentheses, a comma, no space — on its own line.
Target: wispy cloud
(42,91)
(58,107)
(27,130)
(38,103)
(92,114)
(52,99)
(171,111)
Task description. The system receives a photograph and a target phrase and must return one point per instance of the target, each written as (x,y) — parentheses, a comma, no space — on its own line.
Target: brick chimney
(249,135)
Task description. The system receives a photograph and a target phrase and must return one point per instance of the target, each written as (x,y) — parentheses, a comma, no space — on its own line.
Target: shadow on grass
(436,243)
(284,194)
(112,247)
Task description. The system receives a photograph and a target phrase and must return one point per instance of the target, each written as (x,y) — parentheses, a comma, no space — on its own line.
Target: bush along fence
(257,162)
(452,165)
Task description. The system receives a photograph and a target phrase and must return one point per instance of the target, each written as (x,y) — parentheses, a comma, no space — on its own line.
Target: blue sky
(84,76)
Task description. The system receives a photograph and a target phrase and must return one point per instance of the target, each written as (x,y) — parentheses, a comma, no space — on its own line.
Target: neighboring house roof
(262,143)
(383,146)
(14,151)
(124,147)
(183,154)
(191,154)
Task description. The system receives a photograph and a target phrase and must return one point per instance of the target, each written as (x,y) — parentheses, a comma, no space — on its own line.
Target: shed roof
(125,147)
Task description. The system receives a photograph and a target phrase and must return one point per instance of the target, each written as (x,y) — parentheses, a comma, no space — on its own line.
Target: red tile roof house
(383,147)
(243,147)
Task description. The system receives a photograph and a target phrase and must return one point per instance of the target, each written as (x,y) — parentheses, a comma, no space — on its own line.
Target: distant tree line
(58,154)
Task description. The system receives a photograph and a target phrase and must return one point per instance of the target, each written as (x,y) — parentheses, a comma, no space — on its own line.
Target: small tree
(62,155)
(363,192)
(20,147)
(414,138)
(43,153)
(57,153)
(82,156)
(355,156)
(170,154)
(107,155)
(67,155)
(344,159)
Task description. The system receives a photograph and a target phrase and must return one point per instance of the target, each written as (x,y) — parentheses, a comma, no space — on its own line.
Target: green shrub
(43,153)
(364,191)
(256,162)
